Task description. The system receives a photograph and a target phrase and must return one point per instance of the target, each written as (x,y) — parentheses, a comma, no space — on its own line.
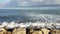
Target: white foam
(28,24)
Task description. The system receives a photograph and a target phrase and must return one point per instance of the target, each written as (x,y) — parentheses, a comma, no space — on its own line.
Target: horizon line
(31,8)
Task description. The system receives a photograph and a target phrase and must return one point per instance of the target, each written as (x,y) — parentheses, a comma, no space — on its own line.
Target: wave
(29,24)
(31,17)
(39,20)
(45,17)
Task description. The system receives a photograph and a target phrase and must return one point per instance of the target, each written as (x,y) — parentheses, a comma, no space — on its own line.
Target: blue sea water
(29,15)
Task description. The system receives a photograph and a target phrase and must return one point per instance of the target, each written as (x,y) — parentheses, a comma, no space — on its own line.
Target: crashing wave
(28,24)
(39,20)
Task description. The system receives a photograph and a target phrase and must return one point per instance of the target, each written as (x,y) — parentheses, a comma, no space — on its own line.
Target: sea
(29,15)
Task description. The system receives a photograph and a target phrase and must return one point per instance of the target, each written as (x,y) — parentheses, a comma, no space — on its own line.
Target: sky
(27,3)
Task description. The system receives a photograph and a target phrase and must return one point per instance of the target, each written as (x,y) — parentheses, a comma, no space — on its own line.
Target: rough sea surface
(23,16)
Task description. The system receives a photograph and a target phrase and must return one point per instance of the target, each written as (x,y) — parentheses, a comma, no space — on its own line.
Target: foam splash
(28,24)
(42,20)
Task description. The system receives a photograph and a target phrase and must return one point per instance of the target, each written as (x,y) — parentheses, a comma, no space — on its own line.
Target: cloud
(57,1)
(24,3)
(52,1)
(4,2)
(37,0)
(17,3)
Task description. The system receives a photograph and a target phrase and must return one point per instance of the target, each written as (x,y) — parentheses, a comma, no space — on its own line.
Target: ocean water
(16,15)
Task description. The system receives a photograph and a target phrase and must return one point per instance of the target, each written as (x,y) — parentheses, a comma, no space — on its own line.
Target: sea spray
(28,24)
